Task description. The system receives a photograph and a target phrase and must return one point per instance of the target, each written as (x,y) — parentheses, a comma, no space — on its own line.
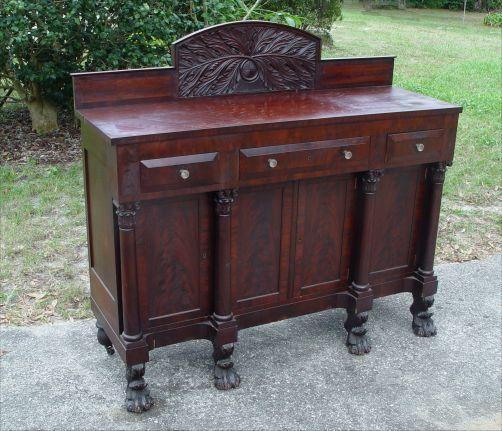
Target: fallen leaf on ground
(37,295)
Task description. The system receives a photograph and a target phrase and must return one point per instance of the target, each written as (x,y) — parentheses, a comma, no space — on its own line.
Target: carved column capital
(126,213)
(370,179)
(438,172)
(224,200)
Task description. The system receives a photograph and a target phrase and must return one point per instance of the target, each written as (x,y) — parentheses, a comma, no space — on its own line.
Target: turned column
(367,191)
(131,321)
(225,376)
(423,298)
(436,174)
(138,397)
(357,342)
(224,200)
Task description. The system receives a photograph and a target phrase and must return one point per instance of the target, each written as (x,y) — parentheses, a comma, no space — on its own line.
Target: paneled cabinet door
(261,230)
(174,259)
(324,233)
(397,219)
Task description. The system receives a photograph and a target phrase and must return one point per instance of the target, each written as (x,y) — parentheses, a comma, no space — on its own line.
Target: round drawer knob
(272,163)
(347,154)
(184,174)
(420,147)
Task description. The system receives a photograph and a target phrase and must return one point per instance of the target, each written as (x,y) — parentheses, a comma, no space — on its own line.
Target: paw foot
(423,325)
(104,340)
(137,393)
(225,377)
(139,401)
(357,342)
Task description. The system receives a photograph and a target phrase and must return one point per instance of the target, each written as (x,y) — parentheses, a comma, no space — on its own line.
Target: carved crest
(245,57)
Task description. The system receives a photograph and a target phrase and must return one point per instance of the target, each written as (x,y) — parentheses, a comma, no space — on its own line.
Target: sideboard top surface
(240,77)
(240,113)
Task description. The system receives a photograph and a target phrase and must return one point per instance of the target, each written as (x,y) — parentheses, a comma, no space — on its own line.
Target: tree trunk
(401,4)
(44,115)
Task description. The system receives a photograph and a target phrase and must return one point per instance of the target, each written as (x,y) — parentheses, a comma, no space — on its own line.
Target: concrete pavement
(296,374)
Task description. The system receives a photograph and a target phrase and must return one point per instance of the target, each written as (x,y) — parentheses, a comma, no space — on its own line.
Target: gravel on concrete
(296,374)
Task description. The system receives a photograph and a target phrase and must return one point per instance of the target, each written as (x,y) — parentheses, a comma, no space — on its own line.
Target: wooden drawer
(350,153)
(182,171)
(415,147)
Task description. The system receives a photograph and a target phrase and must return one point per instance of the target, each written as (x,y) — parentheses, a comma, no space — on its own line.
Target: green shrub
(459,4)
(488,5)
(427,4)
(313,14)
(494,19)
(442,4)
(42,41)
(493,5)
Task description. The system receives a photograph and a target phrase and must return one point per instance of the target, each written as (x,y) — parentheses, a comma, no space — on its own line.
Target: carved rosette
(370,179)
(126,213)
(246,57)
(224,200)
(438,172)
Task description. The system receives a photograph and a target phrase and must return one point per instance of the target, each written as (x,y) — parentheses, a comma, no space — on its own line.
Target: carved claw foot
(104,340)
(137,393)
(225,376)
(423,325)
(357,342)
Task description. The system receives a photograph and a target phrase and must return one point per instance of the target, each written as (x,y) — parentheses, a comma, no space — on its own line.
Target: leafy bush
(459,4)
(42,41)
(313,14)
(488,5)
(494,19)
(494,5)
(427,4)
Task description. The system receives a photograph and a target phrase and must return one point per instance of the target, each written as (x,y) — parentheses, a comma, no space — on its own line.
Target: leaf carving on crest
(246,58)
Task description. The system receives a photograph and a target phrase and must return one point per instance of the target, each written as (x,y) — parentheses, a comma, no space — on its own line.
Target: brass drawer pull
(420,147)
(347,154)
(184,174)
(272,163)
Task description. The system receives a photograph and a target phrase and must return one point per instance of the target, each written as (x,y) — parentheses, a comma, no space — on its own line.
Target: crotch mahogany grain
(253,182)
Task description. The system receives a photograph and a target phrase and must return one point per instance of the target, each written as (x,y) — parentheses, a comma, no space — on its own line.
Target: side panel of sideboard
(102,233)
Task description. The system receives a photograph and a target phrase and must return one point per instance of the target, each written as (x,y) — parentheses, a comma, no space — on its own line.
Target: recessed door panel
(174,259)
(324,208)
(397,208)
(259,256)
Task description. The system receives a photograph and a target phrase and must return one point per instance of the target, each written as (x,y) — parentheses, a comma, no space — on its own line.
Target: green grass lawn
(43,270)
(440,56)
(443,57)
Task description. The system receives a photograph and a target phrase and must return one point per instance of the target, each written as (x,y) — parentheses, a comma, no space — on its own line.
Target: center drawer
(349,153)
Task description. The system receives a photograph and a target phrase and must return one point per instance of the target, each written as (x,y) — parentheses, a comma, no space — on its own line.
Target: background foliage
(43,41)
(480,5)
(493,19)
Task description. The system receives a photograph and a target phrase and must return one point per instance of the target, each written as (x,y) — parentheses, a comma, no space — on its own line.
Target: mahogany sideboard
(253,182)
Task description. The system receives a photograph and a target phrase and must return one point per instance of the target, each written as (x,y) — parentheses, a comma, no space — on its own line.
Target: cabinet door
(323,234)
(261,228)
(397,218)
(174,261)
